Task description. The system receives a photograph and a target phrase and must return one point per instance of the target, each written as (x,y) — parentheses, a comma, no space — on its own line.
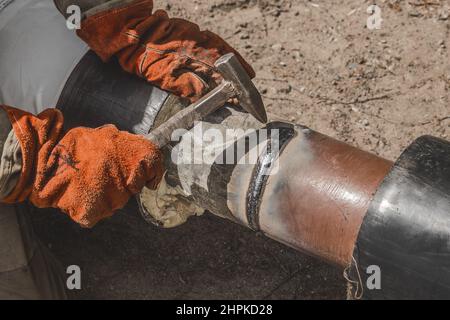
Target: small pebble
(277,47)
(414,14)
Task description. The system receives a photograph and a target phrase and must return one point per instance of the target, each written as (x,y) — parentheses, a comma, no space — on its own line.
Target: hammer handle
(186,118)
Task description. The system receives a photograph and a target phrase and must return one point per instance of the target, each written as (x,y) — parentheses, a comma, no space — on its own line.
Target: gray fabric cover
(10,157)
(10,165)
(37,54)
(4,4)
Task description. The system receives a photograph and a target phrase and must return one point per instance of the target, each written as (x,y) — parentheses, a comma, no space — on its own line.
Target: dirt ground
(319,65)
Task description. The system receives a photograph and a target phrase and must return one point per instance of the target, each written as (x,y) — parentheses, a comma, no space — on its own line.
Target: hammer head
(249,98)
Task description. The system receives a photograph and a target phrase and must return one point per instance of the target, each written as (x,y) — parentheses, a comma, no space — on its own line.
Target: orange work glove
(172,54)
(87,173)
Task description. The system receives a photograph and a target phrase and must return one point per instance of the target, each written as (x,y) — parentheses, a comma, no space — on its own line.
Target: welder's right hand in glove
(87,173)
(172,54)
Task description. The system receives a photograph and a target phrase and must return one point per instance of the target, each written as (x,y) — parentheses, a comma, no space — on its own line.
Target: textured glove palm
(87,173)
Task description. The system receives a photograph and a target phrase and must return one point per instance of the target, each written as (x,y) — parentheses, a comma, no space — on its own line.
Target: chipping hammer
(236,84)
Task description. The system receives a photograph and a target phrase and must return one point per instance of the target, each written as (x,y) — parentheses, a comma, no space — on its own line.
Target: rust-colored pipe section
(314,200)
(317,200)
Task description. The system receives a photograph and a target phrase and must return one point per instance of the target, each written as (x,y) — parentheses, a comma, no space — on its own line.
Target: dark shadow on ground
(207,258)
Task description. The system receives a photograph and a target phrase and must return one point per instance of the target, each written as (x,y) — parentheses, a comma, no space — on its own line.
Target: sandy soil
(319,65)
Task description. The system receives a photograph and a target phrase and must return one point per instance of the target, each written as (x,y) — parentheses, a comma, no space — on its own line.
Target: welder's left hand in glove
(173,54)
(87,173)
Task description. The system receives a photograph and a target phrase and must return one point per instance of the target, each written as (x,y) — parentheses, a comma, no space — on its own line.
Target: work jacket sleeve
(10,157)
(89,7)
